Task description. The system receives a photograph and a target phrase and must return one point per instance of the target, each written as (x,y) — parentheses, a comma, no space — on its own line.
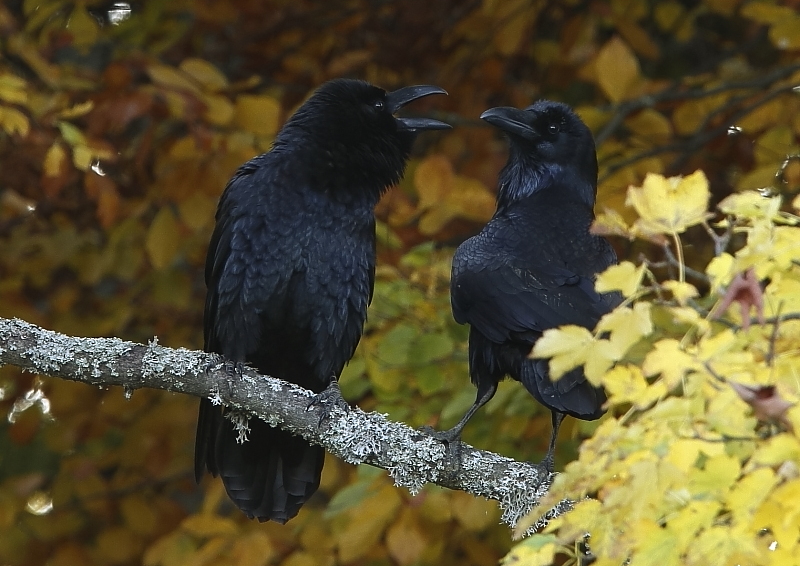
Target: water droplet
(734,130)
(119,12)
(97,169)
(31,397)
(766,192)
(128,392)
(39,503)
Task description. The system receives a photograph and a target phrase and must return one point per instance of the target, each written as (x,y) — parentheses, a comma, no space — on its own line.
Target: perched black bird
(533,266)
(290,272)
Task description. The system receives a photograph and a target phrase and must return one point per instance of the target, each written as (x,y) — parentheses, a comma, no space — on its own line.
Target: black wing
(503,298)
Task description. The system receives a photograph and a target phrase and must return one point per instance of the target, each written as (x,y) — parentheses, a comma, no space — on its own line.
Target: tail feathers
(571,394)
(268,477)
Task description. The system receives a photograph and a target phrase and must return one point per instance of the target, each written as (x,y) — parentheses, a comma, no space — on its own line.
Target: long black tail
(268,477)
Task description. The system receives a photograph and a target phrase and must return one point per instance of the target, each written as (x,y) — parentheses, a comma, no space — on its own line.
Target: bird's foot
(548,465)
(233,370)
(452,445)
(451,436)
(330,399)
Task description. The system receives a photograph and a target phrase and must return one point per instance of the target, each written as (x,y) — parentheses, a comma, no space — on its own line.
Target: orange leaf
(108,202)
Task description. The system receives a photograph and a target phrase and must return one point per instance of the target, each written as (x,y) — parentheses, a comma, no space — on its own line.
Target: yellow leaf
(82,157)
(718,474)
(55,160)
(538,549)
(720,270)
(219,110)
(714,546)
(12,121)
(749,492)
(71,133)
(204,73)
(172,78)
(625,277)
(443,195)
(691,519)
(571,346)
(636,36)
(473,513)
(777,450)
(767,12)
(670,205)
(689,116)
(405,540)
(627,326)
(668,14)
(433,178)
(650,125)
(617,69)
(197,211)
(258,114)
(687,315)
(564,341)
(655,545)
(13,89)
(685,452)
(367,523)
(300,558)
(626,384)
(253,549)
(162,239)
(668,359)
(170,550)
(751,205)
(611,223)
(77,110)
(727,414)
(82,26)
(774,143)
(681,290)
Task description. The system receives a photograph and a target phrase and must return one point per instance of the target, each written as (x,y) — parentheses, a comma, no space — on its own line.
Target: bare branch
(411,457)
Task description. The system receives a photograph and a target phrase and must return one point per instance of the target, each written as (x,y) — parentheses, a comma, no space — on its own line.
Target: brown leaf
(745,290)
(767,403)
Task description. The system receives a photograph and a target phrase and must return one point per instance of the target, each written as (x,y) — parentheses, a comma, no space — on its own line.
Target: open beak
(510,120)
(402,96)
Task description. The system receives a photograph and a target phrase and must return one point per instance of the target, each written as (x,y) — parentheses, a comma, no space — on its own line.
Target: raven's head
(548,139)
(348,130)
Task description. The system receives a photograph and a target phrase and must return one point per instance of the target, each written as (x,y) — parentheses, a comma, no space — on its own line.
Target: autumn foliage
(118,131)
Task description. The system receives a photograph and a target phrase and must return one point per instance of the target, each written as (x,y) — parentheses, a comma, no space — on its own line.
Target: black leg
(454,434)
(549,459)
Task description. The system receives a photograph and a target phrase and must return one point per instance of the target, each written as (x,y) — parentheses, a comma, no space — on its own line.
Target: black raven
(290,272)
(532,267)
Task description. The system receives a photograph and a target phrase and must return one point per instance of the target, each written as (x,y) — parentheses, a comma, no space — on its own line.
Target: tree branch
(411,457)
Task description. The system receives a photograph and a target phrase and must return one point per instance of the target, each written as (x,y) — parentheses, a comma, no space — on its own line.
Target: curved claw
(329,400)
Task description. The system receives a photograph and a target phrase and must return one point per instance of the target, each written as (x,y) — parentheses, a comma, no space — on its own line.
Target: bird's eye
(553,129)
(378,105)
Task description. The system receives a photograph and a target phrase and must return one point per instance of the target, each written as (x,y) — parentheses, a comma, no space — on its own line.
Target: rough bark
(411,457)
